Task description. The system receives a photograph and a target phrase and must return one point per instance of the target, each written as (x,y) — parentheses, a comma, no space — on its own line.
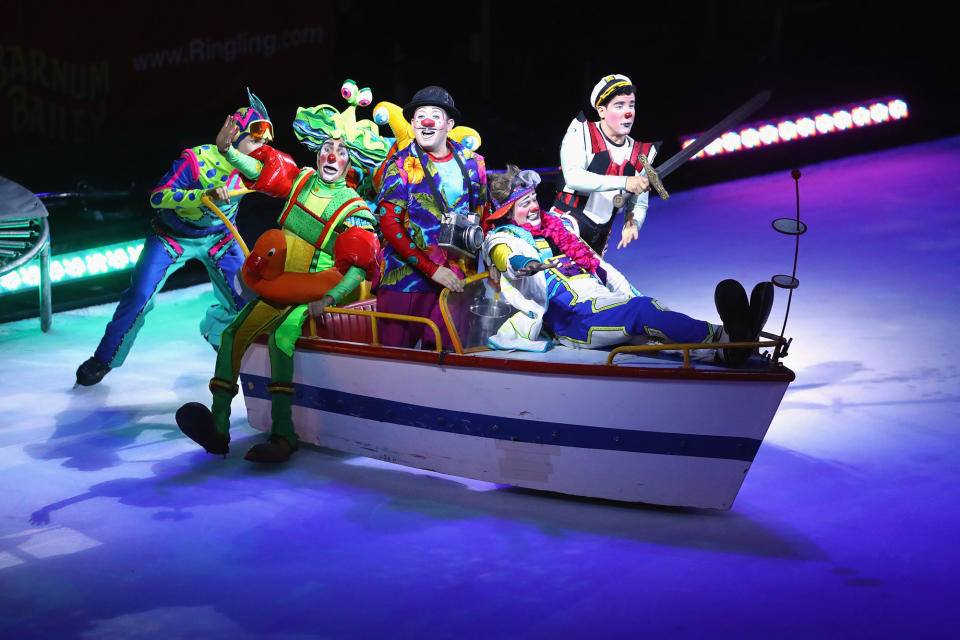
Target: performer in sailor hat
(601,168)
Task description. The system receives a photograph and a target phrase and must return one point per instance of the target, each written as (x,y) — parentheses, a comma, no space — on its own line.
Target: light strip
(73,266)
(805,125)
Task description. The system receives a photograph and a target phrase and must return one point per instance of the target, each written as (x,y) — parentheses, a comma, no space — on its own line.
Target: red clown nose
(628,115)
(332,158)
(427,122)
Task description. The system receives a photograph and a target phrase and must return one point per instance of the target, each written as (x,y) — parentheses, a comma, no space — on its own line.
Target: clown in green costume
(325,248)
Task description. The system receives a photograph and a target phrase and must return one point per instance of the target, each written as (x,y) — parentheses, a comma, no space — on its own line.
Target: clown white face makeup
(617,117)
(430,126)
(526,210)
(333,160)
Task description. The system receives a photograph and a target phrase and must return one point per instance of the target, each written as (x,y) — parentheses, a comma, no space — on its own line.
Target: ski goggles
(260,130)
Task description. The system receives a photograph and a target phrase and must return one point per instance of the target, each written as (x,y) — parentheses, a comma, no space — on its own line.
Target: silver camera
(461,233)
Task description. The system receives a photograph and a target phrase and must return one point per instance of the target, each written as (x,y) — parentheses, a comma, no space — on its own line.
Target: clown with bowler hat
(430,180)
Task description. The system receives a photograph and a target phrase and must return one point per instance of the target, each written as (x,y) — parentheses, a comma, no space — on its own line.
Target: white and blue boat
(655,428)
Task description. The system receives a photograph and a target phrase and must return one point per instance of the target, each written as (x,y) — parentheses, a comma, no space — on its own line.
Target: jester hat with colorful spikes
(315,125)
(252,121)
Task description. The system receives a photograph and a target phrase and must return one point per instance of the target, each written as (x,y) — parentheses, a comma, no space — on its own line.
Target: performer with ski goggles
(182,229)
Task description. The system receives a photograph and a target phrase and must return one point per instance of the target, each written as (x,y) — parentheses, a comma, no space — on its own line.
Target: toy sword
(665,168)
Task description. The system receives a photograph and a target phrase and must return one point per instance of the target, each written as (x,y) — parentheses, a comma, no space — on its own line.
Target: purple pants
(395,333)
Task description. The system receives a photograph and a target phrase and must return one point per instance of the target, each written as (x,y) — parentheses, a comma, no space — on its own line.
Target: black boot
(91,372)
(734,309)
(196,422)
(276,449)
(761,301)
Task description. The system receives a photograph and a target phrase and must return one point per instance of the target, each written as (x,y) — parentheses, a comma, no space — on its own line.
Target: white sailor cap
(606,86)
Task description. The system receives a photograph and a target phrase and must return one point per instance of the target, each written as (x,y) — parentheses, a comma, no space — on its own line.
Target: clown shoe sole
(196,422)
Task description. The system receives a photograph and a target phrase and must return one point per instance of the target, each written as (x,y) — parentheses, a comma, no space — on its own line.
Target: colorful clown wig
(252,121)
(315,125)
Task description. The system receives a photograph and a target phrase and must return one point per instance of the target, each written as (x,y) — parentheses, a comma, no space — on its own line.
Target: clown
(183,229)
(387,113)
(601,167)
(430,180)
(324,250)
(559,283)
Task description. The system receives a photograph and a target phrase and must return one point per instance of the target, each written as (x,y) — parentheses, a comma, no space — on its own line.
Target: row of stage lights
(801,126)
(72,266)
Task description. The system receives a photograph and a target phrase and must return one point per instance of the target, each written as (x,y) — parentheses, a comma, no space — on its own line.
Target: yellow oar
(236,234)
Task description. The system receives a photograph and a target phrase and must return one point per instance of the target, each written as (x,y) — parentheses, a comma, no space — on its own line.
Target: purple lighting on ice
(805,125)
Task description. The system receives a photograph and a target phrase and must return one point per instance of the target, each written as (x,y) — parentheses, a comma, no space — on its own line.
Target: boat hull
(658,438)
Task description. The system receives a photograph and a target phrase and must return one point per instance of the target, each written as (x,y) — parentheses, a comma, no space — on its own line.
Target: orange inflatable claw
(264,272)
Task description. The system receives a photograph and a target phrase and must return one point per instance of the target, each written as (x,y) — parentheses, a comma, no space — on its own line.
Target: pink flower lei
(567,243)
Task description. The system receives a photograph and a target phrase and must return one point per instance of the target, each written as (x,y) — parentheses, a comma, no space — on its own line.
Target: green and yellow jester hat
(315,125)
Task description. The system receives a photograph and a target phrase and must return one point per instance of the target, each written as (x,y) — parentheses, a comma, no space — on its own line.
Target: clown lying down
(558,283)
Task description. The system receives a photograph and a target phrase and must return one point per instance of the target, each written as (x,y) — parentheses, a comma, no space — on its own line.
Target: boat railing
(374,316)
(356,309)
(778,344)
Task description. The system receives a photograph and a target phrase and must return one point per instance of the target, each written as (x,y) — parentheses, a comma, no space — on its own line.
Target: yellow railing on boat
(774,341)
(686,348)
(373,315)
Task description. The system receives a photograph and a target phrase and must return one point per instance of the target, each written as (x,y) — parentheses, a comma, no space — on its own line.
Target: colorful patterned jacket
(177,197)
(410,217)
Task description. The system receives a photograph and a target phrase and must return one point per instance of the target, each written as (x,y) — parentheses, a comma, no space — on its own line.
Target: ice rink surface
(114,525)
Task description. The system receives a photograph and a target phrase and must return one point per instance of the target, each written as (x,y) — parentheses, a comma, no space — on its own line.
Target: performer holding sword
(604,170)
(600,163)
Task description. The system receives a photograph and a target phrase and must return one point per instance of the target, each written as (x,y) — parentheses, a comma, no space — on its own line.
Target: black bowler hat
(435,97)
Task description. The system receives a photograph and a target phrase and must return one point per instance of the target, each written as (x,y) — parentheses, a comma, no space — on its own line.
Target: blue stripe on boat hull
(516,429)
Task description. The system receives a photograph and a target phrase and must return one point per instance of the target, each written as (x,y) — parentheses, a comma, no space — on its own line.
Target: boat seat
(339,326)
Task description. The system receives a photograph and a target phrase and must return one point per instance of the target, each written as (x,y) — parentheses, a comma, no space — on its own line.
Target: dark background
(77,114)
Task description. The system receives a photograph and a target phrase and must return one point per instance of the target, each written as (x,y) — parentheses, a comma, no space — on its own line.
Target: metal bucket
(486,316)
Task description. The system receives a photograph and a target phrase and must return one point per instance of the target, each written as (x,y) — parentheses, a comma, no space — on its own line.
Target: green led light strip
(73,266)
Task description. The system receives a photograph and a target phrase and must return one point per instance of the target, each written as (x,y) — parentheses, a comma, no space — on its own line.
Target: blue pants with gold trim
(639,316)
